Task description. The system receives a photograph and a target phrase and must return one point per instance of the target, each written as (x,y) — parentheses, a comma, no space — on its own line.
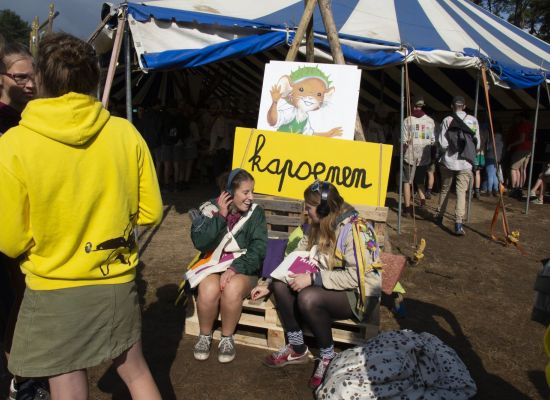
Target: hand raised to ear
(224,201)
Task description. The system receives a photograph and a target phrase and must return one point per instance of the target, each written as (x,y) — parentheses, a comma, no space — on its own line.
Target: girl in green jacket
(231,234)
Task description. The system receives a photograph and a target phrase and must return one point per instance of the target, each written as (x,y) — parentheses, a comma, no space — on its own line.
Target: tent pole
(400,191)
(533,152)
(306,17)
(128,70)
(114,58)
(472,180)
(310,44)
(337,54)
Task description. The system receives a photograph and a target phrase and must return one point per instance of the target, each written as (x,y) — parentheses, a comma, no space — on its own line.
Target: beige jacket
(345,278)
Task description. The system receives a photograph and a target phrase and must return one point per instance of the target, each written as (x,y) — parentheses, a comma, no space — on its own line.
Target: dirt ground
(474,294)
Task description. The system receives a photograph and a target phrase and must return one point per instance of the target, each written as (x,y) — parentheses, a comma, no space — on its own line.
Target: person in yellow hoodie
(75,182)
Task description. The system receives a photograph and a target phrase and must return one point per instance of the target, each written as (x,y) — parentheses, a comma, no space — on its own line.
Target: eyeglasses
(20,79)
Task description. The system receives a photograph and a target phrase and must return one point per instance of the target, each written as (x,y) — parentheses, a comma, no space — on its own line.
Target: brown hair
(241,176)
(9,53)
(66,64)
(323,233)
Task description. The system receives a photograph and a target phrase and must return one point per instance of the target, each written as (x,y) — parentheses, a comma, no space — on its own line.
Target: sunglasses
(20,79)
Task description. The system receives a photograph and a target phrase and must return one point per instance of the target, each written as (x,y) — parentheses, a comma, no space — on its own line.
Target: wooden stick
(99,28)
(337,54)
(310,45)
(332,33)
(114,59)
(306,17)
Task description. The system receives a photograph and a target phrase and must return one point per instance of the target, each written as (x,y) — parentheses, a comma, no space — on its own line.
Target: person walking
(459,139)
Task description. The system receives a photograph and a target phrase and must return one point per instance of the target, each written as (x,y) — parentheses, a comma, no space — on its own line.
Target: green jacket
(252,237)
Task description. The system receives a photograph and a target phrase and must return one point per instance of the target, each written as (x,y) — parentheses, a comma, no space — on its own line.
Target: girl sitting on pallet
(231,234)
(333,281)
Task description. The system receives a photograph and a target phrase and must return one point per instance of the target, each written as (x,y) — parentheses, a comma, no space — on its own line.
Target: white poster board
(310,99)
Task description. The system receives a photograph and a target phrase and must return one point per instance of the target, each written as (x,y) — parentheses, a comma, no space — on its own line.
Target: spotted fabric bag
(402,365)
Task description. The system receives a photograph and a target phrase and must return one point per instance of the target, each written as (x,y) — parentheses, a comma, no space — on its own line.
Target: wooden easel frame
(306,24)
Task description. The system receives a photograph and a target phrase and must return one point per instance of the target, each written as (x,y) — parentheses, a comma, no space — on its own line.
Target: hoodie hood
(72,119)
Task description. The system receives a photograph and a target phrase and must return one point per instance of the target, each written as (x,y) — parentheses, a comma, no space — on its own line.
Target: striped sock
(327,352)
(296,340)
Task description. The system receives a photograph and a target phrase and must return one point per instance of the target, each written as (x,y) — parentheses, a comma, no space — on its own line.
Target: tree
(13,28)
(532,16)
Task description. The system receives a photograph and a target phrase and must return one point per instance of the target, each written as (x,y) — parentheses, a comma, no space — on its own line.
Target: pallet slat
(287,220)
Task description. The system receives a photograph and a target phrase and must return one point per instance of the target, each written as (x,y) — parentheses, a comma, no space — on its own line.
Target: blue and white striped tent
(175,34)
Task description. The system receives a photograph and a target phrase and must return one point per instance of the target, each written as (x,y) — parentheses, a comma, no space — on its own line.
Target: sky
(77,17)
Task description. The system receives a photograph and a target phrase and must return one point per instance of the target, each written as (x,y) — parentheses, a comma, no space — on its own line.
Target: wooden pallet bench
(259,325)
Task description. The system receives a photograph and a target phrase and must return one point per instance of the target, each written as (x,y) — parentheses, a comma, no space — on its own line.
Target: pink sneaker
(284,357)
(319,373)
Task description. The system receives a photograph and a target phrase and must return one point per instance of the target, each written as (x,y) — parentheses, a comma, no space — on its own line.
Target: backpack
(462,139)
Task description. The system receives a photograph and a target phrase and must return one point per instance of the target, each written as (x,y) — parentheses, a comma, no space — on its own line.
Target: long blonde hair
(323,233)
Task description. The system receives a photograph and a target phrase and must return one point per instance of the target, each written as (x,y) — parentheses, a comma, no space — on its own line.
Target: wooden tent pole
(332,33)
(128,70)
(337,54)
(306,17)
(473,178)
(529,182)
(114,58)
(310,45)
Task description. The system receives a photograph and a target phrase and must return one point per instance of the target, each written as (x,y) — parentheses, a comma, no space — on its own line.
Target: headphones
(323,187)
(230,178)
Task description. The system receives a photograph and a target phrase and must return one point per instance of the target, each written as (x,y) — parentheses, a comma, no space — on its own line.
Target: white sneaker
(226,349)
(201,350)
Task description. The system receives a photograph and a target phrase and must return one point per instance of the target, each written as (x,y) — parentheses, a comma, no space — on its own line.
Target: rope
(247,146)
(410,144)
(509,236)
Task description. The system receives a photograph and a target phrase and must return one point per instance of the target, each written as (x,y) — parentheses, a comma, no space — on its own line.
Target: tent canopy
(170,34)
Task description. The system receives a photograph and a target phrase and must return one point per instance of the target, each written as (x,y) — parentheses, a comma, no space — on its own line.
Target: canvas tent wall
(180,34)
(452,33)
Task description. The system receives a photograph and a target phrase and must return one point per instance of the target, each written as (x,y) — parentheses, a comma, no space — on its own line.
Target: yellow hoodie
(73,183)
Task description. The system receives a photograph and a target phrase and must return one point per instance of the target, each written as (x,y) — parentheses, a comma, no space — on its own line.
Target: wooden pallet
(259,325)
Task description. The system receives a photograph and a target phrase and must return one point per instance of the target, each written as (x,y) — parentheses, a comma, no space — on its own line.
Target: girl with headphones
(344,248)
(229,230)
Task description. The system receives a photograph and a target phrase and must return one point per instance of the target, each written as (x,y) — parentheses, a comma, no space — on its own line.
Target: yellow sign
(283,164)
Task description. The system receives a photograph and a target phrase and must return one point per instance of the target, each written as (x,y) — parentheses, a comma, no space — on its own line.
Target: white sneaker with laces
(226,349)
(201,350)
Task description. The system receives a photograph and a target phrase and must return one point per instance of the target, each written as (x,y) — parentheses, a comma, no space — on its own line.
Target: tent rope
(510,237)
(250,135)
(409,144)
(419,253)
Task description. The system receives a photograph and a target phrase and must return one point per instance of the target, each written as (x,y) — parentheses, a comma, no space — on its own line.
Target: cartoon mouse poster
(310,99)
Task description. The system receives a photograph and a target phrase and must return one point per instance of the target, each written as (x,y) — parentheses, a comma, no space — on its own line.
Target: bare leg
(477,183)
(208,302)
(178,172)
(133,369)
(538,184)
(168,171)
(431,180)
(232,302)
(514,178)
(69,386)
(407,194)
(188,170)
(420,191)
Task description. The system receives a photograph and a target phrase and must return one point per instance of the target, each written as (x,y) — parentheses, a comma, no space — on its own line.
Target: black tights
(318,307)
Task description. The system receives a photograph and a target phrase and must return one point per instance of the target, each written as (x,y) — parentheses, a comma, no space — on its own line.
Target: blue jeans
(491,173)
